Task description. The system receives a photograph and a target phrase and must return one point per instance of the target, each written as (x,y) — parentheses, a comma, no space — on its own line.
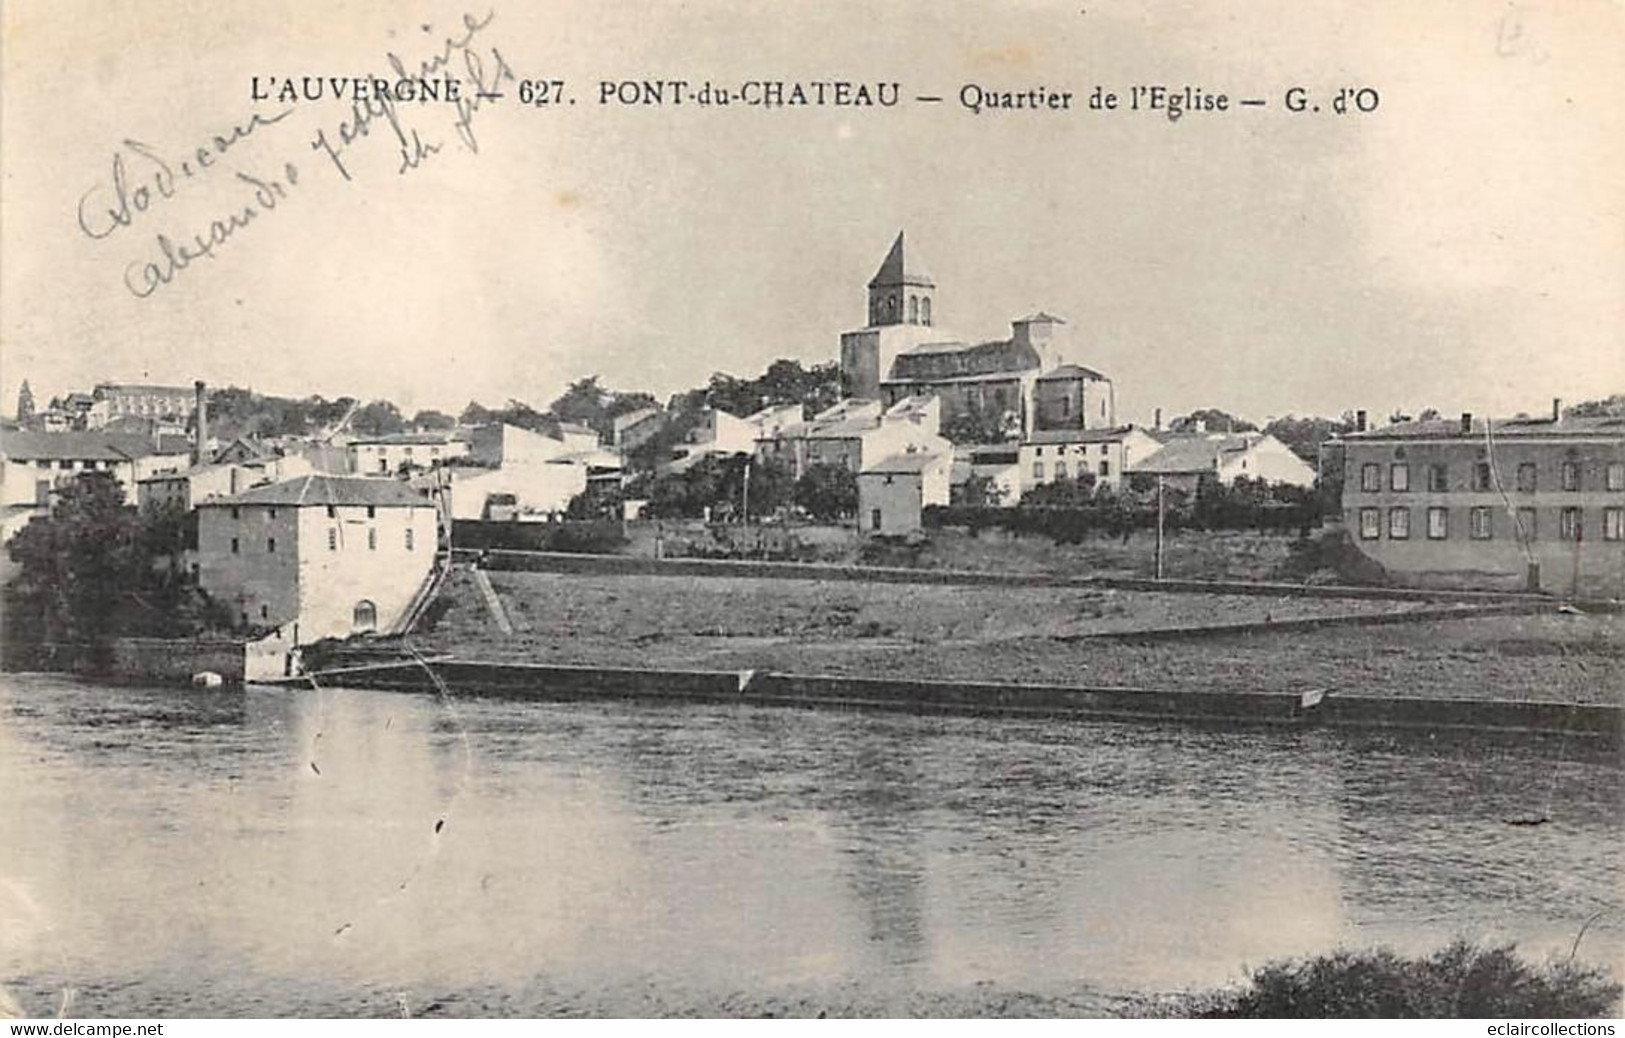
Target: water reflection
(327,851)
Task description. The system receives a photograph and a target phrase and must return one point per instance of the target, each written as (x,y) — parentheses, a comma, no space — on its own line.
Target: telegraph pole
(1159,525)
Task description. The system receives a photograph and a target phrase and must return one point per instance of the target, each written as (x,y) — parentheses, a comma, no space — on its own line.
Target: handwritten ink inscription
(146,183)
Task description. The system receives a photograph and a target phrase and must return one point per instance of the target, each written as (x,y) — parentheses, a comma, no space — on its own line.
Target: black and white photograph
(723,509)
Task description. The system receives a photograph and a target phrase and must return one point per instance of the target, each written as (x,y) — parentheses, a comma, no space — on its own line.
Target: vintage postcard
(737,509)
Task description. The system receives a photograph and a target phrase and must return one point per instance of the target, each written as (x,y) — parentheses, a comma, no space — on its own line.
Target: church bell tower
(901,291)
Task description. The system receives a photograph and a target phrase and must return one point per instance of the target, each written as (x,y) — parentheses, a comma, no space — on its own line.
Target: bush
(1459,981)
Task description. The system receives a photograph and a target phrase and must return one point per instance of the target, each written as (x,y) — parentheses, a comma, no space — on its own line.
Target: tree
(1608,407)
(88,573)
(1304,436)
(976,424)
(1213,419)
(771,485)
(379,418)
(827,491)
(430,420)
(587,403)
(1075,492)
(981,492)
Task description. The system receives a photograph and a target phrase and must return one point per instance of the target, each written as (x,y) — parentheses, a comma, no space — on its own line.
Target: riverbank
(1035,635)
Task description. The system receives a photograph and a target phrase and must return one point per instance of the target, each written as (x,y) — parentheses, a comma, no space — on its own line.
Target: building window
(1526,478)
(235,547)
(1482,479)
(64,464)
(270,545)
(332,538)
(1527,527)
(874,520)
(265,612)
(1104,450)
(1066,407)
(1399,524)
(372,540)
(1370,524)
(925,310)
(1480,524)
(1568,525)
(332,511)
(1613,524)
(1105,468)
(236,513)
(1438,524)
(1371,478)
(1399,477)
(1038,470)
(1571,475)
(372,512)
(409,546)
(1438,478)
(913,309)
(1060,470)
(1616,475)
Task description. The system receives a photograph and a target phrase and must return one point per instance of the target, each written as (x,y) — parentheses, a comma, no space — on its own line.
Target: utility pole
(1160,510)
(744,506)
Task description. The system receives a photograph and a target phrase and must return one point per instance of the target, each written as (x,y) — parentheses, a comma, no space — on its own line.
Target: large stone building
(1536,503)
(1011,383)
(318,556)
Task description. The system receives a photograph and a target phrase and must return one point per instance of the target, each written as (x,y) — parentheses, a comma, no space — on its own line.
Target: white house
(854,434)
(385,455)
(34,465)
(317,556)
(1048,455)
(893,492)
(1184,459)
(188,488)
(537,472)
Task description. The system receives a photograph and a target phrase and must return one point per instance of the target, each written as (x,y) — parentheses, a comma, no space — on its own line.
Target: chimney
(1359,421)
(1156,421)
(200,430)
(1467,423)
(1557,408)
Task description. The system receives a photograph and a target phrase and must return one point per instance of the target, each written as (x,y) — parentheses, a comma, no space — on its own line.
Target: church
(1027,382)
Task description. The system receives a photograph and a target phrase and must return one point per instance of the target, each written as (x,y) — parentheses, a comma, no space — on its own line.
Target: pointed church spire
(25,403)
(897,270)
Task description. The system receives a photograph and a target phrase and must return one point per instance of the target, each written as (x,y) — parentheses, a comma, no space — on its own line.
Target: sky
(1461,247)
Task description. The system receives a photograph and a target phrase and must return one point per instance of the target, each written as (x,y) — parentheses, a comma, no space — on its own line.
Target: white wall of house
(323,563)
(891,503)
(20,478)
(1269,459)
(374,458)
(541,486)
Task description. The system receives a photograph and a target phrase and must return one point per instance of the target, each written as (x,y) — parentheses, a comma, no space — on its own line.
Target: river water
(340,852)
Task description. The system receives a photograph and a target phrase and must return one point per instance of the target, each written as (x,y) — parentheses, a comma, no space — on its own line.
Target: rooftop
(1071,371)
(913,462)
(898,269)
(1503,428)
(1187,454)
(89,446)
(1080,435)
(318,490)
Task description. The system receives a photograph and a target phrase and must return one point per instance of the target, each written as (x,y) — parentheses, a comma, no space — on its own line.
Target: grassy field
(1194,555)
(1038,635)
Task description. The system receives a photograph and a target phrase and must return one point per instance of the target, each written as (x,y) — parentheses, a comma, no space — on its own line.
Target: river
(340,852)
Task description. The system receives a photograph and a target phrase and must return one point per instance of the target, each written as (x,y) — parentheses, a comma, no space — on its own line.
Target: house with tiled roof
(1107,454)
(1185,459)
(34,465)
(317,556)
(1518,503)
(894,491)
